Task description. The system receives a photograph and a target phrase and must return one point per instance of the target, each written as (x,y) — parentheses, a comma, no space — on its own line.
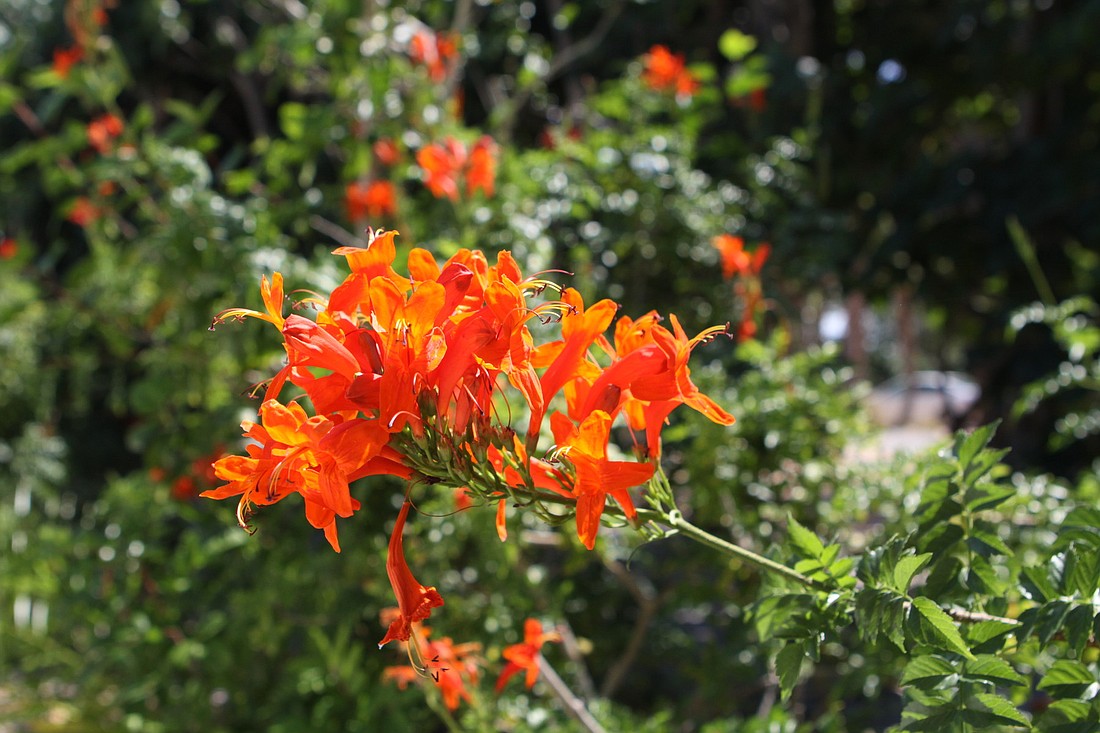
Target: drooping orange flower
(102,132)
(524,657)
(373,200)
(414,601)
(665,71)
(65,58)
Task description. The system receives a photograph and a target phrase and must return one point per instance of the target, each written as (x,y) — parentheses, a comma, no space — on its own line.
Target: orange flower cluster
(745,266)
(451,667)
(375,200)
(402,373)
(102,132)
(665,71)
(443,164)
(435,51)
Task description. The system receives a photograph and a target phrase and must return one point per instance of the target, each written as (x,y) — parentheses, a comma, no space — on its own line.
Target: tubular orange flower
(524,657)
(433,50)
(586,448)
(413,599)
(736,260)
(8,248)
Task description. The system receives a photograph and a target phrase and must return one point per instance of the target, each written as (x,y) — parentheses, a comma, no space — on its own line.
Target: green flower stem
(675,519)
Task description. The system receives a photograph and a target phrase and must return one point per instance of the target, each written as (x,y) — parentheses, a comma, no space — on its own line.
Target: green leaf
(1066,678)
(927,671)
(788,665)
(292,120)
(735,45)
(946,633)
(907,567)
(805,541)
(1037,585)
(993,669)
(985,540)
(1078,627)
(968,447)
(1004,710)
(988,636)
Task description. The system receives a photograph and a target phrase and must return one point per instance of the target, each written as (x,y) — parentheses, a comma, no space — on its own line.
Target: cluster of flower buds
(409,376)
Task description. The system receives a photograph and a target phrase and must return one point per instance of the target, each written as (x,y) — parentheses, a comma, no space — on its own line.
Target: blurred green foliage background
(881,148)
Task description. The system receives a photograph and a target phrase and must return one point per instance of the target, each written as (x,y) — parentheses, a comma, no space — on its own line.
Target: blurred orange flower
(373,200)
(103,130)
(83,212)
(8,248)
(482,171)
(434,50)
(736,260)
(65,58)
(385,149)
(665,70)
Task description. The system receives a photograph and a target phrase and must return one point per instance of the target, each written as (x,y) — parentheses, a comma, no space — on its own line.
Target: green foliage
(941,583)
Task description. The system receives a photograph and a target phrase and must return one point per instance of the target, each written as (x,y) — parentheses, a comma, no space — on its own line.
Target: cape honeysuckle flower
(450,666)
(524,657)
(585,446)
(407,377)
(102,132)
(313,456)
(8,248)
(375,200)
(746,266)
(444,162)
(414,601)
(385,150)
(665,70)
(736,260)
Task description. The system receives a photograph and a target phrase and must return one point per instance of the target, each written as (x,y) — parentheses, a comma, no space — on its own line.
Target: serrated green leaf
(1066,678)
(987,636)
(805,541)
(907,567)
(788,665)
(1078,627)
(927,670)
(946,633)
(1003,709)
(983,579)
(1037,584)
(993,669)
(987,495)
(968,446)
(985,540)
